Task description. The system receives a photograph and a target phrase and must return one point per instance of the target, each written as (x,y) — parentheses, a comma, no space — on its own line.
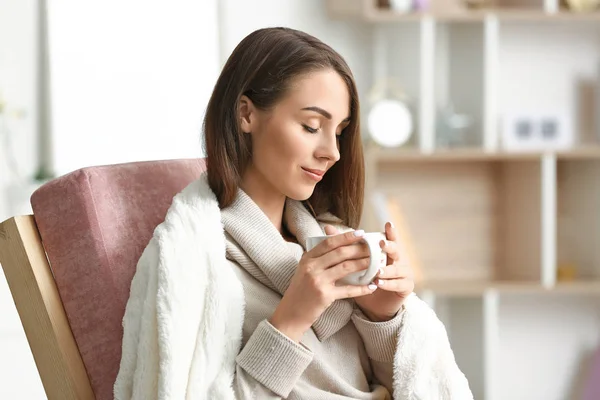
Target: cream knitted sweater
(343,356)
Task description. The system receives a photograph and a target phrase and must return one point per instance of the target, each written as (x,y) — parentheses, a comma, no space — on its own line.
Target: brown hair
(263,67)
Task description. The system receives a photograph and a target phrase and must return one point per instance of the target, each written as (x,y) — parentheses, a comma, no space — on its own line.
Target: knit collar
(252,236)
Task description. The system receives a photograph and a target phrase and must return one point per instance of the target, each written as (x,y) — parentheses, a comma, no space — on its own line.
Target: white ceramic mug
(378,258)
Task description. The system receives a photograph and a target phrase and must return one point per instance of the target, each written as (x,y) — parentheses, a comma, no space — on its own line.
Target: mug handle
(371,271)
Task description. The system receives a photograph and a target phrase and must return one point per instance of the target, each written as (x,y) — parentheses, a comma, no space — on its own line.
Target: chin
(300,193)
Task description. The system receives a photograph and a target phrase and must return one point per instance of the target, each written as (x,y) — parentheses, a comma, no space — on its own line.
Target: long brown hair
(262,67)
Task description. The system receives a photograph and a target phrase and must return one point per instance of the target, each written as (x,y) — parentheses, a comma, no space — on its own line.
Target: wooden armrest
(41,311)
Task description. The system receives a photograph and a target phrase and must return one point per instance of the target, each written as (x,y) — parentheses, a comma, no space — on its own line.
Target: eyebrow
(324,113)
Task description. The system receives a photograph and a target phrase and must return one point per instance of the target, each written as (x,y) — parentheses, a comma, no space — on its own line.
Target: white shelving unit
(491,228)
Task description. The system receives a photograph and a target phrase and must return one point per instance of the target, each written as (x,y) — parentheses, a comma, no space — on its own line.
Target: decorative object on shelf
(390,120)
(582,5)
(537,130)
(402,6)
(452,127)
(566,272)
(420,5)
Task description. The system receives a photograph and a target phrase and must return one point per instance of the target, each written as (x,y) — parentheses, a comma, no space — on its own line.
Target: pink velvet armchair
(70,264)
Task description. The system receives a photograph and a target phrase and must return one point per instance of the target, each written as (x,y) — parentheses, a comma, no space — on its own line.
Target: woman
(284,162)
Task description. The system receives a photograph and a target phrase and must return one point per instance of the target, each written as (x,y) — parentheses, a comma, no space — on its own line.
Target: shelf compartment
(468,221)
(459,78)
(554,73)
(394,75)
(578,217)
(462,318)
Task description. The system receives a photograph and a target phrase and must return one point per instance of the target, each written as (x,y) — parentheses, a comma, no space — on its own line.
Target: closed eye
(309,129)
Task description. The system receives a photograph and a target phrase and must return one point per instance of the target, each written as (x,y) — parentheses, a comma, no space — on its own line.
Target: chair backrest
(94,224)
(592,388)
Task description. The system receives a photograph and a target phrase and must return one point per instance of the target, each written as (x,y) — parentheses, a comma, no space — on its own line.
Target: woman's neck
(267,198)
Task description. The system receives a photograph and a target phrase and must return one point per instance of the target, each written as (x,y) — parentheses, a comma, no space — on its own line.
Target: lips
(317,172)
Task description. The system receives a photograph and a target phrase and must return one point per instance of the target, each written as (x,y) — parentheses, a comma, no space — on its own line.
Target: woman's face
(296,142)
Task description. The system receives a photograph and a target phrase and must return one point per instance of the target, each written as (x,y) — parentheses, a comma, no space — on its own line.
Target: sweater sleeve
(270,364)
(380,339)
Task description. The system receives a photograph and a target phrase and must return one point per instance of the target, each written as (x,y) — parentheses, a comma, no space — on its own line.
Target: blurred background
(482,137)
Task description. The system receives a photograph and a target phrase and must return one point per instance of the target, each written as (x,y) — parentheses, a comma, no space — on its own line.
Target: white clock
(390,123)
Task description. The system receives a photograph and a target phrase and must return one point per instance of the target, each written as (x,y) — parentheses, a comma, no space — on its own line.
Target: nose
(328,148)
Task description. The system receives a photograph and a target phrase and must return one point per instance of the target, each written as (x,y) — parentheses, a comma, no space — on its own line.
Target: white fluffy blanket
(183,321)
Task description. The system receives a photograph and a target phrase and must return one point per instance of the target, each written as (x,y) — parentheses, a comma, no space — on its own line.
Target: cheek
(279,148)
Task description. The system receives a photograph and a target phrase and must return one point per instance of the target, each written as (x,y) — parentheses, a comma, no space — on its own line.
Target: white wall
(133,82)
(129,82)
(18,32)
(351,40)
(18,375)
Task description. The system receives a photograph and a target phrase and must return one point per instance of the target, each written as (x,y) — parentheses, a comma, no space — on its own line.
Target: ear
(246,114)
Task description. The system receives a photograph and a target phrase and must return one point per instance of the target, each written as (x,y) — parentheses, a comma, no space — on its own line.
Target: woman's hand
(396,280)
(312,288)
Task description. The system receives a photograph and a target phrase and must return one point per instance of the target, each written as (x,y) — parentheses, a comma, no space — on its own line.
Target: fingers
(397,270)
(345,268)
(390,232)
(350,291)
(396,277)
(352,253)
(335,242)
(330,230)
(392,236)
(400,285)
(391,248)
(345,253)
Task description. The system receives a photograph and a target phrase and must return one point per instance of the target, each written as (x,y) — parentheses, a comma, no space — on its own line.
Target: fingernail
(359,233)
(380,282)
(391,225)
(380,271)
(372,286)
